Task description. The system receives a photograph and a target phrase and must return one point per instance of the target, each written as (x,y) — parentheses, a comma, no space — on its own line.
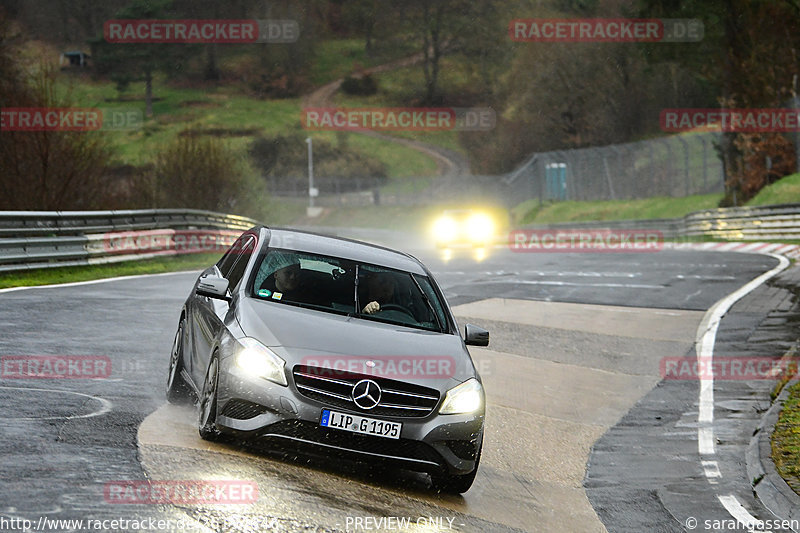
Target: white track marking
(706,337)
(711,469)
(571,284)
(105,405)
(737,510)
(705,441)
(94,281)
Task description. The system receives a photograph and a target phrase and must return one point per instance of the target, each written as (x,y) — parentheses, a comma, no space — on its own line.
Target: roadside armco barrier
(43,239)
(771,223)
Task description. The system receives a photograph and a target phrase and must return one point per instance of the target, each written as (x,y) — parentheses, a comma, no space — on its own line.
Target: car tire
(207,421)
(458,483)
(178,391)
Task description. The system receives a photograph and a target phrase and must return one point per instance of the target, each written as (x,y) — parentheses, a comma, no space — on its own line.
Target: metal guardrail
(773,222)
(44,239)
(746,223)
(51,223)
(32,239)
(669,227)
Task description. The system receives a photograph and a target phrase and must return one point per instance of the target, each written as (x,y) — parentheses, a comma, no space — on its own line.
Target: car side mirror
(475,336)
(213,287)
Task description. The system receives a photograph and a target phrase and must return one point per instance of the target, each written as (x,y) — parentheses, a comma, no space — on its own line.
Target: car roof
(306,241)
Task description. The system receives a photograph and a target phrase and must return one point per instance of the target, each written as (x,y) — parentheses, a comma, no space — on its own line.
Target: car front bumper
(255,408)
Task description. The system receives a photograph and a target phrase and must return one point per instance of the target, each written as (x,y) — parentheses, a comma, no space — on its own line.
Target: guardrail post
(611,194)
(705,162)
(685,146)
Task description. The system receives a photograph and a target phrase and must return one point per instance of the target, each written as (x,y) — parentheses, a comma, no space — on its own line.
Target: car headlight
(480,227)
(463,399)
(257,360)
(445,229)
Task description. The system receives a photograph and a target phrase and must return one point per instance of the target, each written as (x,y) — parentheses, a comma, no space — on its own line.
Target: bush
(201,172)
(761,159)
(360,85)
(283,160)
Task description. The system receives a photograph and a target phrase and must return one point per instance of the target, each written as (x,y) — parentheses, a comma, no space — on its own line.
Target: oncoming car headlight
(256,359)
(463,399)
(480,227)
(445,229)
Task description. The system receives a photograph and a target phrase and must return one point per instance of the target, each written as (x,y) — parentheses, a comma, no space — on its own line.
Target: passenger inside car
(292,283)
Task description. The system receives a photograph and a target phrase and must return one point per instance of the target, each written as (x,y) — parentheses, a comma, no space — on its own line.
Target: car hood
(304,336)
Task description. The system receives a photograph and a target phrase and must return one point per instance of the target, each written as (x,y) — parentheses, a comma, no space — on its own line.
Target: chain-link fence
(407,190)
(680,165)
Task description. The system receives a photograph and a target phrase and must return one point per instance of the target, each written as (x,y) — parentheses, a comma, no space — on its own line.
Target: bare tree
(48,170)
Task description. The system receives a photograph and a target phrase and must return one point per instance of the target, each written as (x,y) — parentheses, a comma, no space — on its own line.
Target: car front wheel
(178,391)
(207,423)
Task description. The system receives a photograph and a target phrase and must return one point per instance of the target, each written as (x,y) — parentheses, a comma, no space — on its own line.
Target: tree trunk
(148,93)
(368,38)
(212,70)
(730,156)
(433,52)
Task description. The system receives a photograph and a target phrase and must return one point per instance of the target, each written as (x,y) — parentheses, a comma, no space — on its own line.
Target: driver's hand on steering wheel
(372,307)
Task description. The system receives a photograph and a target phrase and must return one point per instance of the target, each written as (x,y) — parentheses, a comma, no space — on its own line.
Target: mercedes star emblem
(366,394)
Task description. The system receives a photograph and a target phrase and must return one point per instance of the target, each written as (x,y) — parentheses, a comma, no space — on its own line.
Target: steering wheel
(397,307)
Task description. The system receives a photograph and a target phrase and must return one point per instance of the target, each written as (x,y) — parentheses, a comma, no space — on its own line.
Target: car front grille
(334,388)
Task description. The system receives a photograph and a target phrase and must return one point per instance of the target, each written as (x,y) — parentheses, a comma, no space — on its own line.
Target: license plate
(360,424)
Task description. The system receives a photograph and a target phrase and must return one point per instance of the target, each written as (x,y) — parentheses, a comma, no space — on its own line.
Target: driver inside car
(289,283)
(381,289)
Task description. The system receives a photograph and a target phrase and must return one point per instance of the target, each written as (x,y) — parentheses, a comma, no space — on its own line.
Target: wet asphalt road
(60,448)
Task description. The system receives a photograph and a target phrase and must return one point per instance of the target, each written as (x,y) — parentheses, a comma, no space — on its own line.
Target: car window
(434,303)
(242,256)
(341,286)
(227,261)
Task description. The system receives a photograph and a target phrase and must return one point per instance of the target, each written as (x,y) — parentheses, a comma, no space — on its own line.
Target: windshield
(341,286)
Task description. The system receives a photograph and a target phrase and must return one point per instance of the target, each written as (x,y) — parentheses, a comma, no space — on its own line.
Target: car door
(209,313)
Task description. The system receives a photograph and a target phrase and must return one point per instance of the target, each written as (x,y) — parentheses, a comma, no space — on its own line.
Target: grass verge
(784,191)
(71,274)
(786,440)
(530,212)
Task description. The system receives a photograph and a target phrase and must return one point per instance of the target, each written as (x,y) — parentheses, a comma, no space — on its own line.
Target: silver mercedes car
(326,344)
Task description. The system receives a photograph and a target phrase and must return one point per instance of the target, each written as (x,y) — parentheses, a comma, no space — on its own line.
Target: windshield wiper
(428,301)
(355,294)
